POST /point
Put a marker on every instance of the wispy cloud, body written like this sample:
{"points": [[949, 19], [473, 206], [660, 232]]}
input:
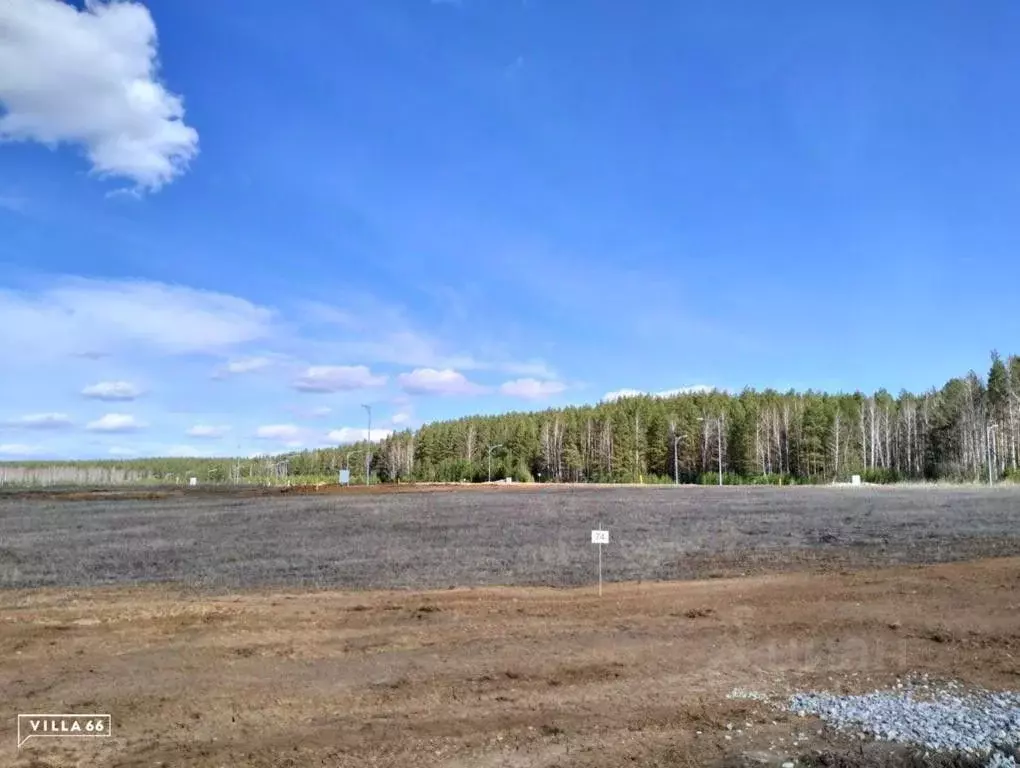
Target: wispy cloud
{"points": [[641, 308], [532, 389], [621, 393], [133, 319], [18, 450], [39, 421], [115, 422], [207, 431], [242, 365], [347, 435], [112, 391], [429, 381], [170, 333], [337, 378], [58, 62], [76, 314], [281, 432], [371, 331]]}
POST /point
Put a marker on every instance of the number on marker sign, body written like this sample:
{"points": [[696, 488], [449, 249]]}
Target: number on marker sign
{"points": [[600, 537]]}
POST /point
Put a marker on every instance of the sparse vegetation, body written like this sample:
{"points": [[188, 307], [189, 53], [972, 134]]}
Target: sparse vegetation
{"points": [[492, 536]]}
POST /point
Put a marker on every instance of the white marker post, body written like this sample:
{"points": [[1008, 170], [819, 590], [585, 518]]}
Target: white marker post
{"points": [[600, 537]]}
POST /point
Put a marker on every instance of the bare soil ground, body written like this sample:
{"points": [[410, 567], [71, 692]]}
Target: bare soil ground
{"points": [[540, 536], [190, 620], [492, 676]]}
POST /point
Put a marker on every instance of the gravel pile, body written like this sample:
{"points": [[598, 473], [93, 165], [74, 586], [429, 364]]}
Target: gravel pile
{"points": [[936, 717]]}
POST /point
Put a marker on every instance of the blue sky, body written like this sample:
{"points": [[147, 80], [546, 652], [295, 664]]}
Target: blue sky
{"points": [[442, 208]]}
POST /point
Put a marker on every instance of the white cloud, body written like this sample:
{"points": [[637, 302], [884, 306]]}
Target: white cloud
{"points": [[695, 389], [112, 391], [378, 332], [337, 378], [89, 77], [40, 421], [132, 319], [532, 389], [692, 390], [346, 435], [76, 314], [115, 422], [282, 432], [401, 417], [320, 412], [207, 431], [399, 347], [243, 365], [530, 368], [620, 393], [17, 449], [429, 381]]}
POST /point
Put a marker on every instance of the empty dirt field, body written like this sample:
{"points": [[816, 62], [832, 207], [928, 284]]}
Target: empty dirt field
{"points": [[493, 536], [464, 629]]}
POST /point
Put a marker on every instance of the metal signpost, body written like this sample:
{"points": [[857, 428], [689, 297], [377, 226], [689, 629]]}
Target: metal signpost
{"points": [[600, 537]]}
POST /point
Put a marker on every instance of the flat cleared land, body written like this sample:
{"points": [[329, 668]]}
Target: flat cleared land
{"points": [[494, 536], [238, 673]]}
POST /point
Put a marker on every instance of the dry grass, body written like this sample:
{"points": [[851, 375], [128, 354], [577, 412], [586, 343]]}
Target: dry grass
{"points": [[493, 536]]}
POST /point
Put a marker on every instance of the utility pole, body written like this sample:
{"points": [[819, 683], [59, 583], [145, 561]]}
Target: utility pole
{"points": [[990, 436], [368, 450], [676, 463], [491, 449]]}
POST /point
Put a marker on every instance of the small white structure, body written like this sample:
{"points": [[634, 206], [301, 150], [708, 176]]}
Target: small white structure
{"points": [[600, 537], [855, 480], [192, 481]]}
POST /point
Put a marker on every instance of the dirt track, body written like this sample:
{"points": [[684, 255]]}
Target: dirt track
{"points": [[488, 677]]}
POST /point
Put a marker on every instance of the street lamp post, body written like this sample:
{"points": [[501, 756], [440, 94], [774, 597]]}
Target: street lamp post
{"points": [[491, 449], [368, 450]]}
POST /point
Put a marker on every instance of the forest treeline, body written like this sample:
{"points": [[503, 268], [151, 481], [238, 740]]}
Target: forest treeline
{"points": [[953, 433], [959, 432]]}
